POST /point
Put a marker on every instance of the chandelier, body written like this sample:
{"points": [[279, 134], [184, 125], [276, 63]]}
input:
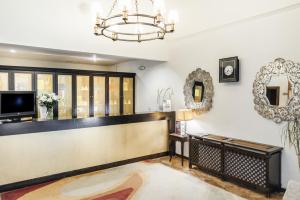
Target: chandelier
{"points": [[126, 21]]}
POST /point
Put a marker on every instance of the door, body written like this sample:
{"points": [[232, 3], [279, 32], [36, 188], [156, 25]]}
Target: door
{"points": [[83, 96], [64, 88], [99, 96], [114, 96], [44, 85], [128, 97]]}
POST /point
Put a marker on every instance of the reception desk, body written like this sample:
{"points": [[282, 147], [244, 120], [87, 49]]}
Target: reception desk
{"points": [[39, 151]]}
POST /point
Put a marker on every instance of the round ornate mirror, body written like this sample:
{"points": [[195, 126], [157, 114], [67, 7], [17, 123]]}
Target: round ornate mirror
{"points": [[276, 91], [198, 91]]}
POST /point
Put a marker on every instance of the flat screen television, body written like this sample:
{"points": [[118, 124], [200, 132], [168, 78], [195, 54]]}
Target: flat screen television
{"points": [[17, 104]]}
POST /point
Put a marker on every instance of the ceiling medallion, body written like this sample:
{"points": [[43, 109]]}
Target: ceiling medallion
{"points": [[127, 21]]}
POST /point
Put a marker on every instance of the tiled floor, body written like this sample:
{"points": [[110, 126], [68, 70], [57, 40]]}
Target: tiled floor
{"points": [[245, 193]]}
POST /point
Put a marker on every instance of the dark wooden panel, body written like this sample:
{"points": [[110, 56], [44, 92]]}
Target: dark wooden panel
{"points": [[106, 95], [121, 96], [91, 97], [57, 125]]}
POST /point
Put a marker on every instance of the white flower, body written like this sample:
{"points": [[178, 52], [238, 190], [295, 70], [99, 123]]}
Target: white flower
{"points": [[47, 100]]}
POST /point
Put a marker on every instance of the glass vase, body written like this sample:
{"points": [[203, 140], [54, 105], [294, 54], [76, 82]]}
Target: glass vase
{"points": [[49, 113]]}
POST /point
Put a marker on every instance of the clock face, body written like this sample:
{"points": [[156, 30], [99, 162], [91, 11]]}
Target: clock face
{"points": [[228, 70]]}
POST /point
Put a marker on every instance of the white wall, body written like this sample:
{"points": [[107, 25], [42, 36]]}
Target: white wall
{"points": [[256, 42]]}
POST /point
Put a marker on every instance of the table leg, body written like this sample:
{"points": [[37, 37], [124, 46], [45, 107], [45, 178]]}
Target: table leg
{"points": [[171, 150], [182, 149]]}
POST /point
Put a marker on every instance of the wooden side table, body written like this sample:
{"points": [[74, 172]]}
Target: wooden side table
{"points": [[173, 138]]}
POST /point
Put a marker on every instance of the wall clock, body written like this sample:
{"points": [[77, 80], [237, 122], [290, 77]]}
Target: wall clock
{"points": [[229, 70]]}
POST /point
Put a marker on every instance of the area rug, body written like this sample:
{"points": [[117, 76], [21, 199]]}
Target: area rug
{"points": [[138, 181]]}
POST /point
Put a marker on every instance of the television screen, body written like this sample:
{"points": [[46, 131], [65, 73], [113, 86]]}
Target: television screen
{"points": [[17, 103]]}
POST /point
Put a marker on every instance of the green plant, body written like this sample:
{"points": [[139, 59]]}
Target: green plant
{"points": [[291, 135]]}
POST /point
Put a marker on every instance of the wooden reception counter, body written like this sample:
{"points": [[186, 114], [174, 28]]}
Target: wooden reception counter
{"points": [[39, 151]]}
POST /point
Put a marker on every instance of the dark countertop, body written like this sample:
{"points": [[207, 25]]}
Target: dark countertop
{"points": [[266, 148], [36, 126]]}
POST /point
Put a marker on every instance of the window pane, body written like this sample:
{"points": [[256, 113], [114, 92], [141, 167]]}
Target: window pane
{"points": [[23, 82], [65, 95], [114, 96], [128, 96], [83, 96], [44, 85], [99, 96], [3, 81]]}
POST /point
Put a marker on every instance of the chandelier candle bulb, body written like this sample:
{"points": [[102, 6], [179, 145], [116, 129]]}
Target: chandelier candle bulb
{"points": [[103, 24], [139, 38], [125, 15], [139, 29], [97, 30], [114, 36], [173, 17], [160, 35], [158, 18], [170, 28], [98, 21]]}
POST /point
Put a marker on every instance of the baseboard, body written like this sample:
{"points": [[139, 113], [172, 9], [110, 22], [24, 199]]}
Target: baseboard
{"points": [[179, 155], [21, 184], [282, 190]]}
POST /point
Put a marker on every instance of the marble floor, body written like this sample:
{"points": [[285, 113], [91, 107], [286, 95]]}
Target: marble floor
{"points": [[230, 187]]}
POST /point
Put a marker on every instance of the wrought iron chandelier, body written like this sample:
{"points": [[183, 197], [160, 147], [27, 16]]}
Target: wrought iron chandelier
{"points": [[132, 25]]}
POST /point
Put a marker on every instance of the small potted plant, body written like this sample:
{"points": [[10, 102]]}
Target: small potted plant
{"points": [[46, 103], [291, 135]]}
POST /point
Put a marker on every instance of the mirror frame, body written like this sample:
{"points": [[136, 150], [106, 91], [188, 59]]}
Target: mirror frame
{"points": [[203, 76], [289, 112]]}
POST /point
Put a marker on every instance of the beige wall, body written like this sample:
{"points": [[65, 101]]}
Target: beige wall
{"points": [[28, 156]]}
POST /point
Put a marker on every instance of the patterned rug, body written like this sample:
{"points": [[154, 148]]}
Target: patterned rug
{"points": [[138, 181]]}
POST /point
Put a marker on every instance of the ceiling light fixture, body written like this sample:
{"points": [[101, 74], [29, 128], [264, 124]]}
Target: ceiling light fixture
{"points": [[12, 51], [94, 58], [125, 22]]}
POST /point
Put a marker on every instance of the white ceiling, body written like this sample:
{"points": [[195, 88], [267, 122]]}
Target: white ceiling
{"points": [[67, 25], [43, 54]]}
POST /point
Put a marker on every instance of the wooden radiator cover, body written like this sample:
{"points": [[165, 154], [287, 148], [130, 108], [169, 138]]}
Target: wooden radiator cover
{"points": [[253, 165]]}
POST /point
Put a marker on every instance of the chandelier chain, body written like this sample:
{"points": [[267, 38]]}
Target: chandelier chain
{"points": [[112, 8], [137, 10]]}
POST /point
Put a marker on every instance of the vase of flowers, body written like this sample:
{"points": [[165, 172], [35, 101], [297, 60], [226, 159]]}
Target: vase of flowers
{"points": [[46, 103]]}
